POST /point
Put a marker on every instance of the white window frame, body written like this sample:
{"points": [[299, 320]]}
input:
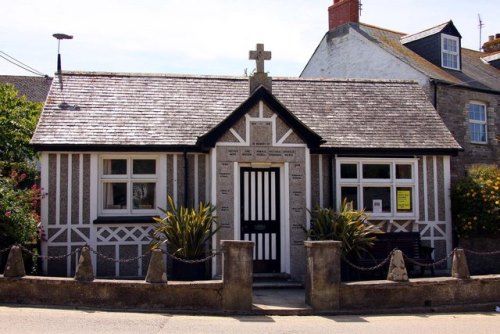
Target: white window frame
{"points": [[449, 52], [392, 183], [129, 178], [473, 121]]}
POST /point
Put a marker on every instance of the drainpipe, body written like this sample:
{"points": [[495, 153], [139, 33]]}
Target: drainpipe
{"points": [[435, 102], [185, 179]]}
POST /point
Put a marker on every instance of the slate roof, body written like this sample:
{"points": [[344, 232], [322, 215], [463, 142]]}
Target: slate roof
{"points": [[425, 33], [171, 111], [475, 74], [34, 88]]}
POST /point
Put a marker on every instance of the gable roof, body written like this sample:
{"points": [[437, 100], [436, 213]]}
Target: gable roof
{"points": [[34, 88], [167, 112], [312, 139], [475, 73]]}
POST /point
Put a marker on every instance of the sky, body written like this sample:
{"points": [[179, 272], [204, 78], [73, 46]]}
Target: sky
{"points": [[210, 37]]}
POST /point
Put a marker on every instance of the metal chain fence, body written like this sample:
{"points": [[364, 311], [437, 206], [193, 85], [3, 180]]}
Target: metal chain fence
{"points": [[214, 253], [431, 264], [109, 258], [205, 259], [46, 257], [112, 259], [482, 253], [5, 250], [411, 260], [375, 267]]}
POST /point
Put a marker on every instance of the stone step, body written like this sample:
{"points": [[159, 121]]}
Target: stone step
{"points": [[275, 281]]}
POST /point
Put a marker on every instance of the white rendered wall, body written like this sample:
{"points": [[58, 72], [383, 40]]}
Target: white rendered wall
{"points": [[353, 56]]}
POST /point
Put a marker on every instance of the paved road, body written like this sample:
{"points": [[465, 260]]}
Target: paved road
{"points": [[50, 321]]}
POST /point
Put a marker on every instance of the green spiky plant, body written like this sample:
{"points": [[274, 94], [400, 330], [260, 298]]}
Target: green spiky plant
{"points": [[187, 231], [348, 226]]}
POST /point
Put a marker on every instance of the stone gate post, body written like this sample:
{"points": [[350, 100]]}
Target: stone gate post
{"points": [[237, 274], [323, 274]]}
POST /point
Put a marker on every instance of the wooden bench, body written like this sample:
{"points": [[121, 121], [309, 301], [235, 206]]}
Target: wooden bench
{"points": [[408, 242]]}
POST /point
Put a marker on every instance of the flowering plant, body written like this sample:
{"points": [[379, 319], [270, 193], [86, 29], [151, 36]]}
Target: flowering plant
{"points": [[476, 202], [19, 207]]}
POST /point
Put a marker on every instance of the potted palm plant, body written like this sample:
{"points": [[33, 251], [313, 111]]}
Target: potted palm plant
{"points": [[187, 233], [348, 226]]}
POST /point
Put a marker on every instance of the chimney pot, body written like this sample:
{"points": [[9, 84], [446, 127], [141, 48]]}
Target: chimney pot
{"points": [[491, 37], [497, 36]]}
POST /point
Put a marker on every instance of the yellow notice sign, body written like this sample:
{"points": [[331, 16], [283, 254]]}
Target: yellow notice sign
{"points": [[404, 199]]}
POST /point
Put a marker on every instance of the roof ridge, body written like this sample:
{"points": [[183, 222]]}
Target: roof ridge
{"points": [[355, 80], [152, 75], [381, 28]]}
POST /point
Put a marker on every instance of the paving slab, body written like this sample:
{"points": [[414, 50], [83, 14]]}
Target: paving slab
{"points": [[280, 302]]}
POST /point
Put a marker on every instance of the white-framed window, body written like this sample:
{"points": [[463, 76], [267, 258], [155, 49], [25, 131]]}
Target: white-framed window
{"points": [[382, 187], [478, 123], [128, 185], [450, 52]]}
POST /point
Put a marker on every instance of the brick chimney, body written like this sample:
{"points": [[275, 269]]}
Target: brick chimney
{"points": [[343, 11], [493, 44]]}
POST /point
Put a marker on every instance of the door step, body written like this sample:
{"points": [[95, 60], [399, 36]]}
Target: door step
{"points": [[275, 281]]}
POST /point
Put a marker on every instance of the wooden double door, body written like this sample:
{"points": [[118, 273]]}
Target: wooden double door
{"points": [[260, 216]]}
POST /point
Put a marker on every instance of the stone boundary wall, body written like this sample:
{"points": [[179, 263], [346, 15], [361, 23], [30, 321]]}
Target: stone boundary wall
{"points": [[419, 293], [232, 293], [325, 292], [32, 290]]}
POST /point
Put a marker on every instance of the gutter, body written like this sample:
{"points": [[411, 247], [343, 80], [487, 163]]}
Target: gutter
{"points": [[446, 83]]}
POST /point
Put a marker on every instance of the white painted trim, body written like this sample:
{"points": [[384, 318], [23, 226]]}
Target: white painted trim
{"points": [[80, 189], [161, 187], [237, 136], [44, 203], [236, 201], [213, 199], [391, 183], [58, 189], [416, 197], [457, 53], [261, 109], [426, 192], [94, 181], [285, 214], [68, 214], [447, 205], [273, 129], [285, 137], [472, 121], [436, 190], [308, 187]]}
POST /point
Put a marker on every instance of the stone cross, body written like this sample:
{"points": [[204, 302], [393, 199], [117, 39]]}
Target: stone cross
{"points": [[259, 56]]}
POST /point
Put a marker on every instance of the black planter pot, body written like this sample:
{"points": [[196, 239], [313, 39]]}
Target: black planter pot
{"points": [[184, 271]]}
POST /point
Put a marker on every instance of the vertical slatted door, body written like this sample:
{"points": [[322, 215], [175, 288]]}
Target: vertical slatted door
{"points": [[260, 216]]}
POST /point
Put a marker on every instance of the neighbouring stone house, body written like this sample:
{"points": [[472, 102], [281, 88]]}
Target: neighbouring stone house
{"points": [[462, 84], [34, 88], [263, 150]]}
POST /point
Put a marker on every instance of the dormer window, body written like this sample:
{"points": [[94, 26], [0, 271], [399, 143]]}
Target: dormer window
{"points": [[450, 57]]}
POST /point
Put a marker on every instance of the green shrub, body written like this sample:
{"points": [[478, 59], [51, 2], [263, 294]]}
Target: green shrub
{"points": [[187, 231], [348, 226], [476, 202]]}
